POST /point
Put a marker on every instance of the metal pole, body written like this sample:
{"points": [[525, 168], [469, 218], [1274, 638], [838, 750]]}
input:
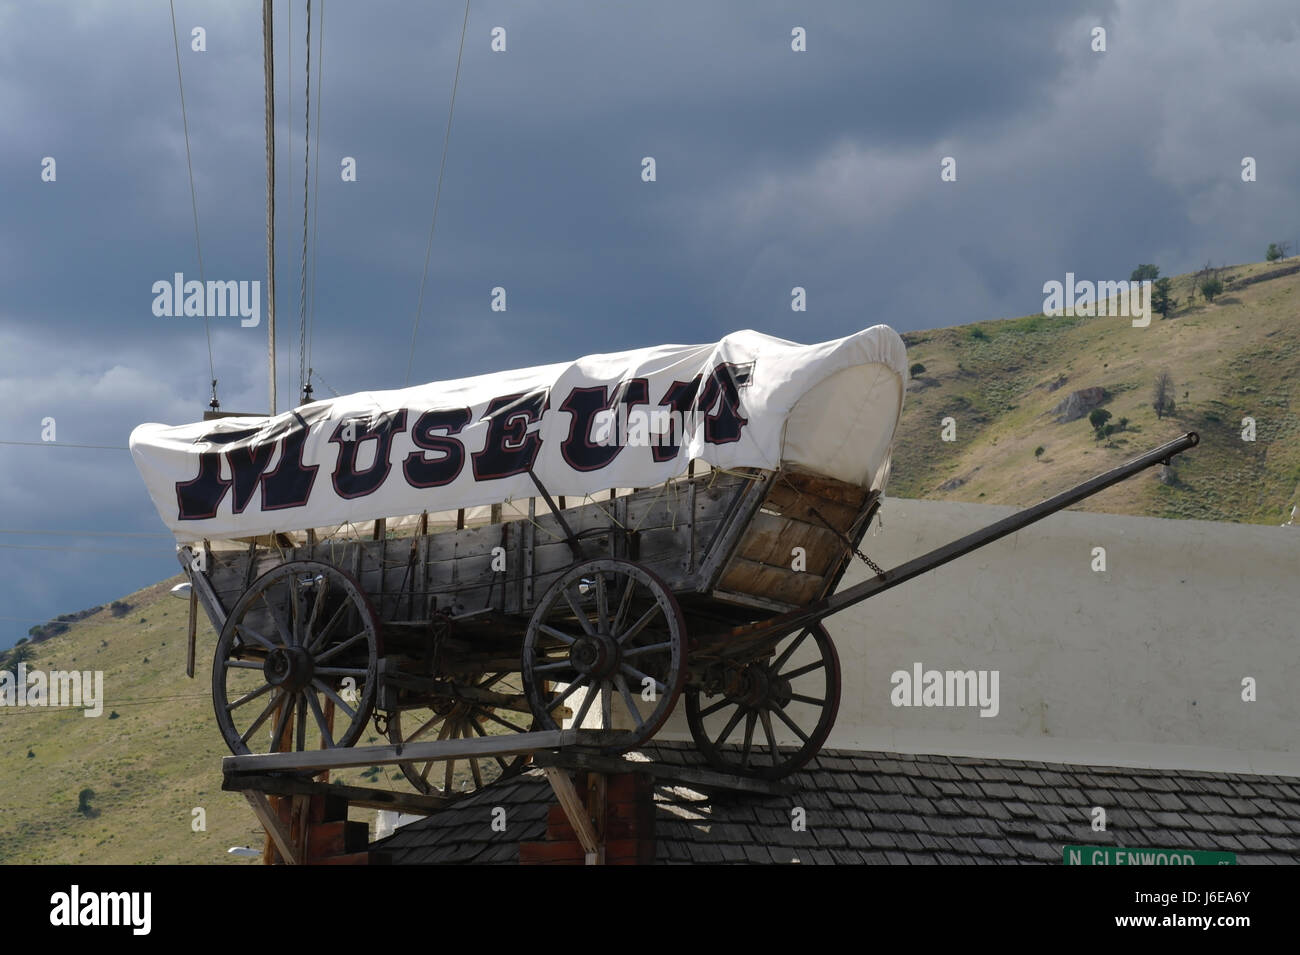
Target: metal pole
{"points": [[268, 56], [795, 620]]}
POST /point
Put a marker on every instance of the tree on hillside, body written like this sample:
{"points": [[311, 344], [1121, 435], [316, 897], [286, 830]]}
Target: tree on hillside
{"points": [[1144, 273], [1162, 399], [1098, 419], [1211, 288], [1161, 299], [1274, 253]]}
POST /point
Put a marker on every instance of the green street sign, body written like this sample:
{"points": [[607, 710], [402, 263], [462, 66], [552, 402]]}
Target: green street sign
{"points": [[1113, 855]]}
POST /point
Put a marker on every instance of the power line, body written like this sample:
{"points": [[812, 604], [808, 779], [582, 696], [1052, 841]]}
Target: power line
{"points": [[194, 201], [45, 533], [446, 139], [64, 444], [83, 550]]}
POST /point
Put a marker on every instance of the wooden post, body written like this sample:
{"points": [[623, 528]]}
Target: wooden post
{"points": [[576, 813], [193, 631]]}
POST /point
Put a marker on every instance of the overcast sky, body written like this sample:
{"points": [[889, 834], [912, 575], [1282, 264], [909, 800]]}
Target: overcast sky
{"points": [[774, 169]]}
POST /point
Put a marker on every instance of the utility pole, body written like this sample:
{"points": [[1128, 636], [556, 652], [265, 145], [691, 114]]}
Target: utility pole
{"points": [[268, 54]]}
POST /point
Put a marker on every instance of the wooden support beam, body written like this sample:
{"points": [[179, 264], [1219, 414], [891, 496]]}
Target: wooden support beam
{"points": [[192, 632], [577, 814], [366, 798], [267, 817], [317, 760], [199, 581], [696, 777]]}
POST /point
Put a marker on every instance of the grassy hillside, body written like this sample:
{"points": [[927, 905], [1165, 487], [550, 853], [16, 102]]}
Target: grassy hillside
{"points": [[149, 767], [1000, 380]]}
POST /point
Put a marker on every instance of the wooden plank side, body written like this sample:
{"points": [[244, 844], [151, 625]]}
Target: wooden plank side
{"points": [[800, 506], [775, 583], [828, 489], [771, 540]]}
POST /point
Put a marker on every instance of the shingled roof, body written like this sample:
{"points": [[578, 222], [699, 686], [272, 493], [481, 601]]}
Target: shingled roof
{"points": [[888, 808]]}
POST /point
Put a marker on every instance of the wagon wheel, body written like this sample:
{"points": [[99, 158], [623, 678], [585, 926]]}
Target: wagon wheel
{"points": [[612, 630], [454, 717], [296, 663], [795, 688]]}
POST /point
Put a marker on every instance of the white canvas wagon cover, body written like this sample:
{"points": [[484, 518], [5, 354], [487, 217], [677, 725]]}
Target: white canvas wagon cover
{"points": [[627, 419]]}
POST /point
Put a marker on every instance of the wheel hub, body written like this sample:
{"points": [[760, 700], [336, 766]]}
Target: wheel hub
{"points": [[595, 656], [756, 686], [289, 667]]}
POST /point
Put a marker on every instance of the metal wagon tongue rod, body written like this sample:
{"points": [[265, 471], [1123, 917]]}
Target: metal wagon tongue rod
{"points": [[795, 620]]}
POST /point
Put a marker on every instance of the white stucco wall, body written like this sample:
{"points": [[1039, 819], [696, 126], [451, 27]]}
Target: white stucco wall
{"points": [[1140, 665]]}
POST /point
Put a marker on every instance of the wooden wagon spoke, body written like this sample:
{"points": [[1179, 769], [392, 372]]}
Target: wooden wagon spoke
{"points": [[766, 720], [710, 710], [505, 768], [807, 668], [244, 629], [322, 588], [275, 701], [488, 714], [476, 772], [451, 767], [338, 700], [788, 652], [811, 700], [246, 664], [628, 699], [641, 623], [278, 619], [641, 677], [282, 722], [342, 671], [442, 735], [606, 705], [646, 649], [580, 614], [438, 720], [295, 611], [323, 724], [566, 663], [624, 604], [564, 695], [592, 693], [602, 604], [328, 631], [560, 635], [340, 647], [254, 694], [750, 719], [731, 725], [302, 721], [785, 718]]}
